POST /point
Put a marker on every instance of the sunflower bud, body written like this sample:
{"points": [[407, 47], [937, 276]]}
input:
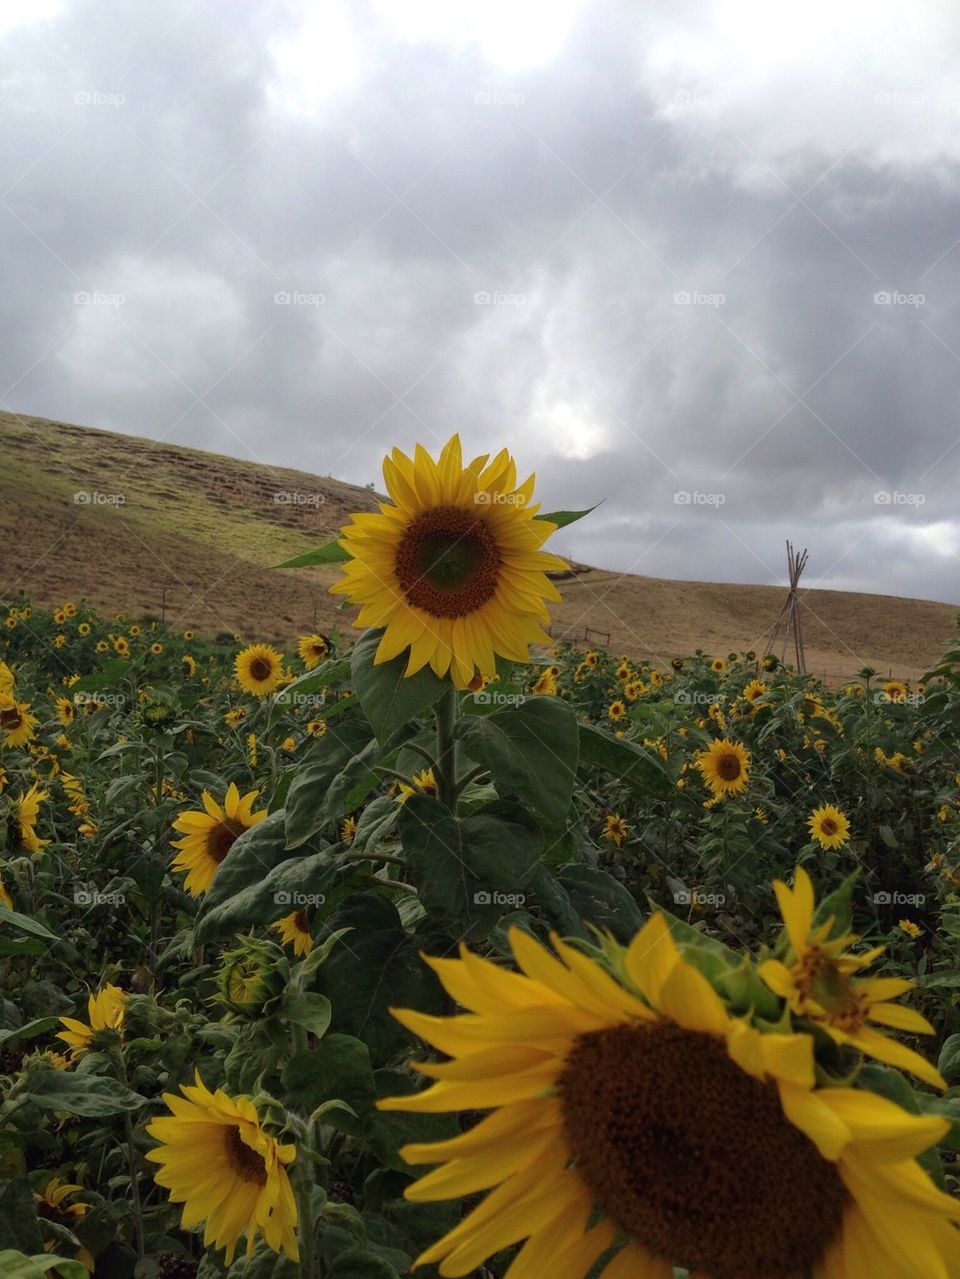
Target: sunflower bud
{"points": [[251, 977]]}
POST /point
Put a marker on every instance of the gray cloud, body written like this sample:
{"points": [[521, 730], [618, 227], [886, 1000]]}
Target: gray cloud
{"points": [[648, 261]]}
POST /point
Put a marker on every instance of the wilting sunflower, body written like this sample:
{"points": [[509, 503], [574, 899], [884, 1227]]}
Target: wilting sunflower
{"points": [[313, 649], [650, 1120], [259, 669], [208, 836], [818, 979], [217, 1160], [725, 766], [829, 827], [453, 569], [615, 829], [51, 1206], [26, 813], [294, 931], [105, 1010], [16, 723]]}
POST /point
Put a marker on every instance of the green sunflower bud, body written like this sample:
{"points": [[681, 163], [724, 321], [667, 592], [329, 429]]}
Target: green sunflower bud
{"points": [[251, 977]]}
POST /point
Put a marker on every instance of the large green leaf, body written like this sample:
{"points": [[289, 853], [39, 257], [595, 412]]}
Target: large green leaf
{"points": [[18, 1217], [563, 518], [26, 924], [329, 553], [338, 1069], [253, 855], [390, 699], [16, 1265], [288, 886], [601, 900], [79, 1094], [338, 761], [470, 871], [629, 762], [531, 751]]}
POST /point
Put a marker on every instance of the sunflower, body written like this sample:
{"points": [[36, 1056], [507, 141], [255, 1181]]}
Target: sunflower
{"points": [[105, 1010], [616, 710], [754, 690], [6, 681], [829, 827], [51, 1207], [134, 630], [624, 671], [5, 898], [59, 640], [83, 628], [26, 813], [10, 623], [217, 1160], [121, 645], [894, 691], [818, 978], [66, 711], [101, 646], [591, 658], [288, 744], [725, 766], [259, 669], [294, 931], [453, 569], [156, 649], [348, 829], [188, 635], [718, 665], [16, 723], [424, 783], [189, 665], [316, 727], [649, 1120], [208, 836], [633, 689], [70, 609], [546, 685], [313, 649], [615, 829], [910, 928], [235, 716], [59, 616]]}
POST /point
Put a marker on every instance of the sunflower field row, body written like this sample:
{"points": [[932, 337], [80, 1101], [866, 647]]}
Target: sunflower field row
{"points": [[280, 931]]}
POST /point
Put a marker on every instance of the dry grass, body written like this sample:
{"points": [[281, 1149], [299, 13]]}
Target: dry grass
{"points": [[200, 532]]}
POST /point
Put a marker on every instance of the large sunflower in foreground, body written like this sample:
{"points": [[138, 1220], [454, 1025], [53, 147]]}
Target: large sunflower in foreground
{"points": [[106, 1011], [452, 568], [258, 669], [725, 766], [218, 1161], [656, 1124], [209, 835], [819, 979]]}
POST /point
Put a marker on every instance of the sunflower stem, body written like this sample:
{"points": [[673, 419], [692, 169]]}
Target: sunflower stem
{"points": [[132, 1161], [303, 1181], [446, 774]]}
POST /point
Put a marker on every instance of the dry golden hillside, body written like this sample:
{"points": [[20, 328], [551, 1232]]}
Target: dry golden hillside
{"points": [[196, 534]]}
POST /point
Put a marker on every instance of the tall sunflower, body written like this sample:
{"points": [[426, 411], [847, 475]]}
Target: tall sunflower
{"points": [[218, 1161], [818, 978], [208, 836], [650, 1121], [106, 1012], [258, 669], [452, 569], [313, 649], [725, 766]]}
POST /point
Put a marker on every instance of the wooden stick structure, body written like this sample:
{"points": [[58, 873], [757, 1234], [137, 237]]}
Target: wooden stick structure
{"points": [[789, 622]]}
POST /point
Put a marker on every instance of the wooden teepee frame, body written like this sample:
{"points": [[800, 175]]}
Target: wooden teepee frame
{"points": [[789, 620]]}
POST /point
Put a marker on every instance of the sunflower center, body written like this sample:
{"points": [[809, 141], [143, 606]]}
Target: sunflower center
{"points": [[222, 838], [448, 563], [300, 921], [246, 1163], [11, 719], [828, 826], [728, 767], [260, 669], [693, 1157]]}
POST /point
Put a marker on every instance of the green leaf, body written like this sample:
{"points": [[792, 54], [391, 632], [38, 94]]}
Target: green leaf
{"points": [[26, 924], [469, 871], [30, 1030], [839, 905], [531, 751], [389, 699], [624, 759], [949, 1061], [15, 1265], [329, 553], [563, 518], [329, 672], [345, 748], [291, 883], [356, 1263], [601, 900], [90, 1095], [18, 1217], [304, 1008], [338, 1069], [109, 676]]}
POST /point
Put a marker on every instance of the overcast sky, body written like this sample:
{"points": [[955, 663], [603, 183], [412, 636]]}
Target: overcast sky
{"points": [[661, 251]]}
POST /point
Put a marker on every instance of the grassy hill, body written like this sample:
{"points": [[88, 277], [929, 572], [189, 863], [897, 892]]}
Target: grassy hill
{"points": [[195, 534]]}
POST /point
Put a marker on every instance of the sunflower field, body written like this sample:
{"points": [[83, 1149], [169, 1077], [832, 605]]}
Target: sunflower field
{"points": [[439, 945]]}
